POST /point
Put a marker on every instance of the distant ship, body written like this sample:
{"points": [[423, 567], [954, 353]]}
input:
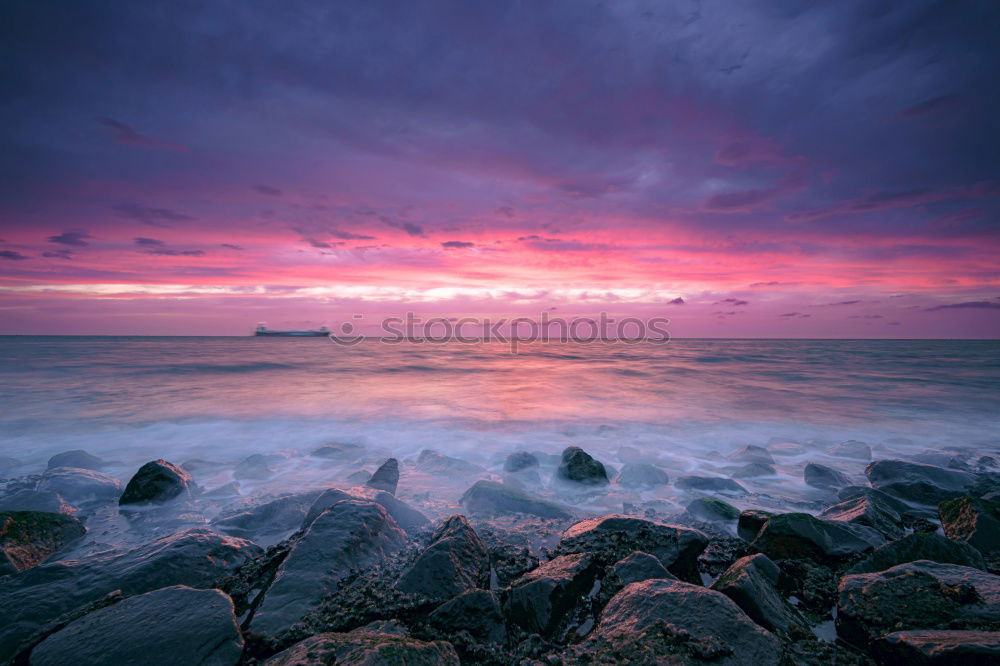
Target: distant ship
{"points": [[262, 331]]}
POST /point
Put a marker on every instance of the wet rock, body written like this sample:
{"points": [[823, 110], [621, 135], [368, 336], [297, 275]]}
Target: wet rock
{"points": [[171, 625], [752, 583], [520, 460], [916, 595], [436, 463], [720, 554], [359, 648], [156, 482], [851, 492], [975, 521], [692, 624], [823, 477], [753, 471], [253, 468], [852, 448], [231, 489], [637, 567], [940, 647], [752, 454], [869, 511], [610, 538], [349, 535], [80, 486], [913, 547], [409, 519], [28, 537], [710, 484], [199, 464], [77, 458], [320, 502], [454, 562], [750, 523], [641, 475], [489, 498], [710, 509], [540, 600], [386, 477], [340, 450], [476, 612], [787, 449], [916, 482], [36, 500], [270, 522], [577, 465], [195, 557], [359, 476], [800, 535]]}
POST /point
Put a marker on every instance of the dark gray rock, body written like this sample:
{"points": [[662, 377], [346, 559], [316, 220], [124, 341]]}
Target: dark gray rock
{"points": [[349, 535], [359, 476], [821, 476], [610, 538], [639, 566], [386, 477], [227, 491], [320, 502], [345, 451], [156, 482], [752, 454], [695, 625], [173, 625], [915, 482], [711, 484], [489, 498], [77, 458], [80, 486], [710, 509], [852, 448], [268, 523], [540, 600], [361, 648], [894, 503], [802, 536], [36, 500], [409, 519], [476, 612], [975, 521], [869, 511], [916, 595], [454, 562], [437, 463], [750, 523], [519, 461], [752, 583], [641, 475], [28, 537], [753, 471], [195, 557], [917, 546], [578, 466], [941, 647], [253, 468]]}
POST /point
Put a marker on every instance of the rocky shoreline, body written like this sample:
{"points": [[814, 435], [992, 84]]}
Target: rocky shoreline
{"points": [[905, 569]]}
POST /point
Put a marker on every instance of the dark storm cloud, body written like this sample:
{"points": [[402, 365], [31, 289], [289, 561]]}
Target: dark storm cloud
{"points": [[148, 242], [12, 255], [167, 252], [156, 217], [732, 301], [58, 254], [677, 301], [966, 305], [231, 246], [75, 238], [457, 244], [408, 227]]}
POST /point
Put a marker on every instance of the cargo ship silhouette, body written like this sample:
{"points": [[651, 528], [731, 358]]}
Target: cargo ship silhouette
{"points": [[264, 331]]}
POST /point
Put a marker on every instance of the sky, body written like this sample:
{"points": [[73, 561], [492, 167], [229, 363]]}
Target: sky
{"points": [[746, 169]]}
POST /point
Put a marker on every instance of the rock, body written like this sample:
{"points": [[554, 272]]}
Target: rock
{"points": [[578, 466], [77, 458], [801, 536], [630, 454], [359, 648], [200, 464], [976, 521], [519, 461], [349, 535], [386, 477], [940, 647], [752, 454], [710, 484], [157, 482], [610, 538], [639, 566], [195, 557], [36, 500], [916, 595], [540, 600], [823, 477], [925, 484], [754, 470], [80, 486], [786, 449], [359, 476], [320, 502], [750, 523], [454, 562], [641, 475], [476, 612], [270, 522], [869, 511], [752, 583], [852, 448], [340, 450], [8, 465], [851, 492], [409, 519], [711, 509], [177, 625], [231, 489], [253, 468], [694, 624], [913, 547], [436, 463], [28, 537], [489, 498]]}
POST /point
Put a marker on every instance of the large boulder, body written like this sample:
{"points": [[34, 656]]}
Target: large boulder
{"points": [[195, 557], [868, 511], [410, 520], [800, 535], [489, 498], [578, 466], [823, 477], [386, 477], [975, 521], [641, 475], [540, 600], [520, 461], [710, 484], [156, 482], [28, 537], [637, 567], [711, 509], [938, 647], [77, 458], [915, 482], [612, 537], [270, 522], [172, 625], [80, 486], [920, 546], [476, 612], [916, 595], [351, 534], [45, 501], [671, 622], [345, 451], [752, 583], [750, 523], [752, 454], [454, 562], [362, 648], [433, 462]]}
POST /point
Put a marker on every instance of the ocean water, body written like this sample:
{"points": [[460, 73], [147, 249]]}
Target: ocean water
{"points": [[686, 404]]}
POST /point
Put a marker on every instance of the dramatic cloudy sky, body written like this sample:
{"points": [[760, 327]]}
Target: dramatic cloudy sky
{"points": [[746, 168]]}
